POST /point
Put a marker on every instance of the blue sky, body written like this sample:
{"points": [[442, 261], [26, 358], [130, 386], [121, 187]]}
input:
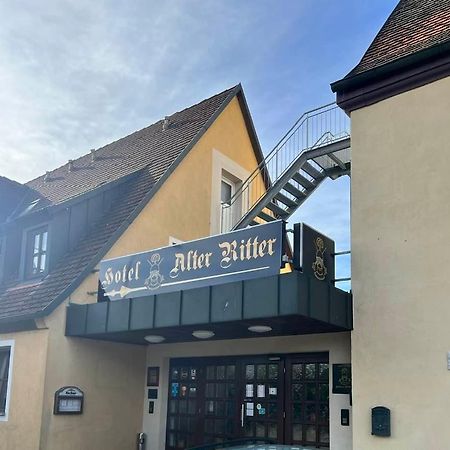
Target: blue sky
{"points": [[77, 74]]}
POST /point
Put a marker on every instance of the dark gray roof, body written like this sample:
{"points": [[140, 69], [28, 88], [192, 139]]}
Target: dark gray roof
{"points": [[148, 157], [11, 194]]}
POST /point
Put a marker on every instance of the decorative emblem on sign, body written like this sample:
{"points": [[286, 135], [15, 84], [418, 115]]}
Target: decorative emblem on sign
{"points": [[238, 255], [154, 279], [345, 378], [318, 266]]}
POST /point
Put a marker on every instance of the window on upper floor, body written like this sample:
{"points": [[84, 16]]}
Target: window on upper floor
{"points": [[36, 252], [5, 363], [227, 190]]}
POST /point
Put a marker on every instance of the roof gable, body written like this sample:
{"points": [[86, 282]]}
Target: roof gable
{"points": [[413, 26], [155, 147], [24, 302], [411, 49]]}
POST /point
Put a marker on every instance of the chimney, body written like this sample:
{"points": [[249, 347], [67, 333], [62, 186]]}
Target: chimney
{"points": [[93, 155], [166, 123], [70, 166], [47, 176]]}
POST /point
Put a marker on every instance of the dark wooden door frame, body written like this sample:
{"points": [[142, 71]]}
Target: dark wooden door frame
{"points": [[285, 361]]}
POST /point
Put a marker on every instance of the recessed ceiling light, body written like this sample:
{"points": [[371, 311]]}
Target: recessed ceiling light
{"points": [[154, 339], [203, 334], [260, 328]]}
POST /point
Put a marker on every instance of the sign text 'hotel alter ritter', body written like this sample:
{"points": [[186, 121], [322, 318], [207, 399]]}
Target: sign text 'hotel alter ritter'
{"points": [[242, 254]]}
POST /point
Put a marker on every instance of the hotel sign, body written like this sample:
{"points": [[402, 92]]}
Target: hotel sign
{"points": [[242, 254]]}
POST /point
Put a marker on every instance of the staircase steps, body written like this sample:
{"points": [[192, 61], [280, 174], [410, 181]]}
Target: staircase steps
{"points": [[311, 171], [315, 148], [285, 200], [289, 187], [277, 210], [300, 179], [266, 216]]}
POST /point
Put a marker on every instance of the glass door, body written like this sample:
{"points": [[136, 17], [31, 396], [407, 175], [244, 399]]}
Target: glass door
{"points": [[307, 400], [220, 402], [283, 399], [183, 425], [262, 398]]}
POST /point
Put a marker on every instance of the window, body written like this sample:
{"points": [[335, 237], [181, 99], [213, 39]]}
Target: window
{"points": [[36, 252], [227, 190], [5, 362]]}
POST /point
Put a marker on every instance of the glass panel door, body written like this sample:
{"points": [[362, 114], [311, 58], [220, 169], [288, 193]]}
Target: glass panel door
{"points": [[184, 405], [283, 399], [220, 407], [307, 400], [262, 399]]}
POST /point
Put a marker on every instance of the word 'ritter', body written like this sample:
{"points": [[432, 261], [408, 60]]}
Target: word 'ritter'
{"points": [[231, 252]]}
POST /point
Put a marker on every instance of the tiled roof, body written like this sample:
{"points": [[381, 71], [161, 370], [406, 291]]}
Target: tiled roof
{"points": [[145, 155], [20, 300], [151, 146], [413, 26]]}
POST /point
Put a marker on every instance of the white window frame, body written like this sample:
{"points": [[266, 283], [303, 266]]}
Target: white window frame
{"points": [[10, 344], [224, 168]]}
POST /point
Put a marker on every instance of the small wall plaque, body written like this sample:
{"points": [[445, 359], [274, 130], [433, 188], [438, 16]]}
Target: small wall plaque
{"points": [[68, 400], [151, 407], [153, 376], [342, 378]]}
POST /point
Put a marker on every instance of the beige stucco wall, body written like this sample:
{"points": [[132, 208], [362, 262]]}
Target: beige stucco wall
{"points": [[22, 428], [113, 375], [183, 206], [337, 344], [400, 267], [109, 374]]}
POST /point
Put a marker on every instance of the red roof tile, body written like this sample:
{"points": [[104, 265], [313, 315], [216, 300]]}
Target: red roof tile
{"points": [[413, 26]]}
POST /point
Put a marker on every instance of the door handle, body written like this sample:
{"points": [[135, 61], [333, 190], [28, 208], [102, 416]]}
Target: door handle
{"points": [[242, 415]]}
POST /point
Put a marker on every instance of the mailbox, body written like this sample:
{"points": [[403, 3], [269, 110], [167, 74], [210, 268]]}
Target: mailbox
{"points": [[381, 421], [68, 400]]}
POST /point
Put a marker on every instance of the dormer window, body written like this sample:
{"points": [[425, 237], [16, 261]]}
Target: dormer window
{"points": [[36, 252]]}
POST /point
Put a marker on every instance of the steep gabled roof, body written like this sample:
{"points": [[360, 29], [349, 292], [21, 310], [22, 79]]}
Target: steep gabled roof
{"points": [[148, 156], [411, 49], [414, 25], [152, 147]]}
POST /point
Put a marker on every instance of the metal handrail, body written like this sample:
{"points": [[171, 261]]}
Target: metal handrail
{"points": [[320, 126]]}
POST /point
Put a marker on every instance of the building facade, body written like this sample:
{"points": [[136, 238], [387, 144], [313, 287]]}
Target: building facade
{"points": [[398, 98], [164, 185], [98, 342]]}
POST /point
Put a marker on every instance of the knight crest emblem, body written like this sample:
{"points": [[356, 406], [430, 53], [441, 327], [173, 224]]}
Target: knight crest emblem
{"points": [[154, 279], [318, 266]]}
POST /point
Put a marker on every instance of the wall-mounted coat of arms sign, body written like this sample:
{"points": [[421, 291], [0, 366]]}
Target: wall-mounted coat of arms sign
{"points": [[313, 253]]}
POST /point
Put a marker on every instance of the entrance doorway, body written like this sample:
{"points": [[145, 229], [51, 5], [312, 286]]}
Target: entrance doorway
{"points": [[283, 398]]}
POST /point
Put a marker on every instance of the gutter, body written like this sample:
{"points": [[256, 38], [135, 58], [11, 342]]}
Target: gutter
{"points": [[356, 81]]}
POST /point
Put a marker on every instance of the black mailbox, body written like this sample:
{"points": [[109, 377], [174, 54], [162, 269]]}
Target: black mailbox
{"points": [[381, 421]]}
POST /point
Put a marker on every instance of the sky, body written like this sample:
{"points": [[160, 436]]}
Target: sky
{"points": [[78, 74]]}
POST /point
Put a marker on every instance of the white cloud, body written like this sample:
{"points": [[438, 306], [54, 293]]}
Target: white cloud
{"points": [[77, 74]]}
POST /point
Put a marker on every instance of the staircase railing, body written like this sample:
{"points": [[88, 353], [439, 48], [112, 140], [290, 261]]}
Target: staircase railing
{"points": [[315, 128]]}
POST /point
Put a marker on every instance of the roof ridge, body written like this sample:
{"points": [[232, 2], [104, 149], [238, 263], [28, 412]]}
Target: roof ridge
{"points": [[135, 132]]}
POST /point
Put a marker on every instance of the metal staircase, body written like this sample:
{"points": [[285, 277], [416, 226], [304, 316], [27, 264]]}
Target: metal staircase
{"points": [[315, 148]]}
